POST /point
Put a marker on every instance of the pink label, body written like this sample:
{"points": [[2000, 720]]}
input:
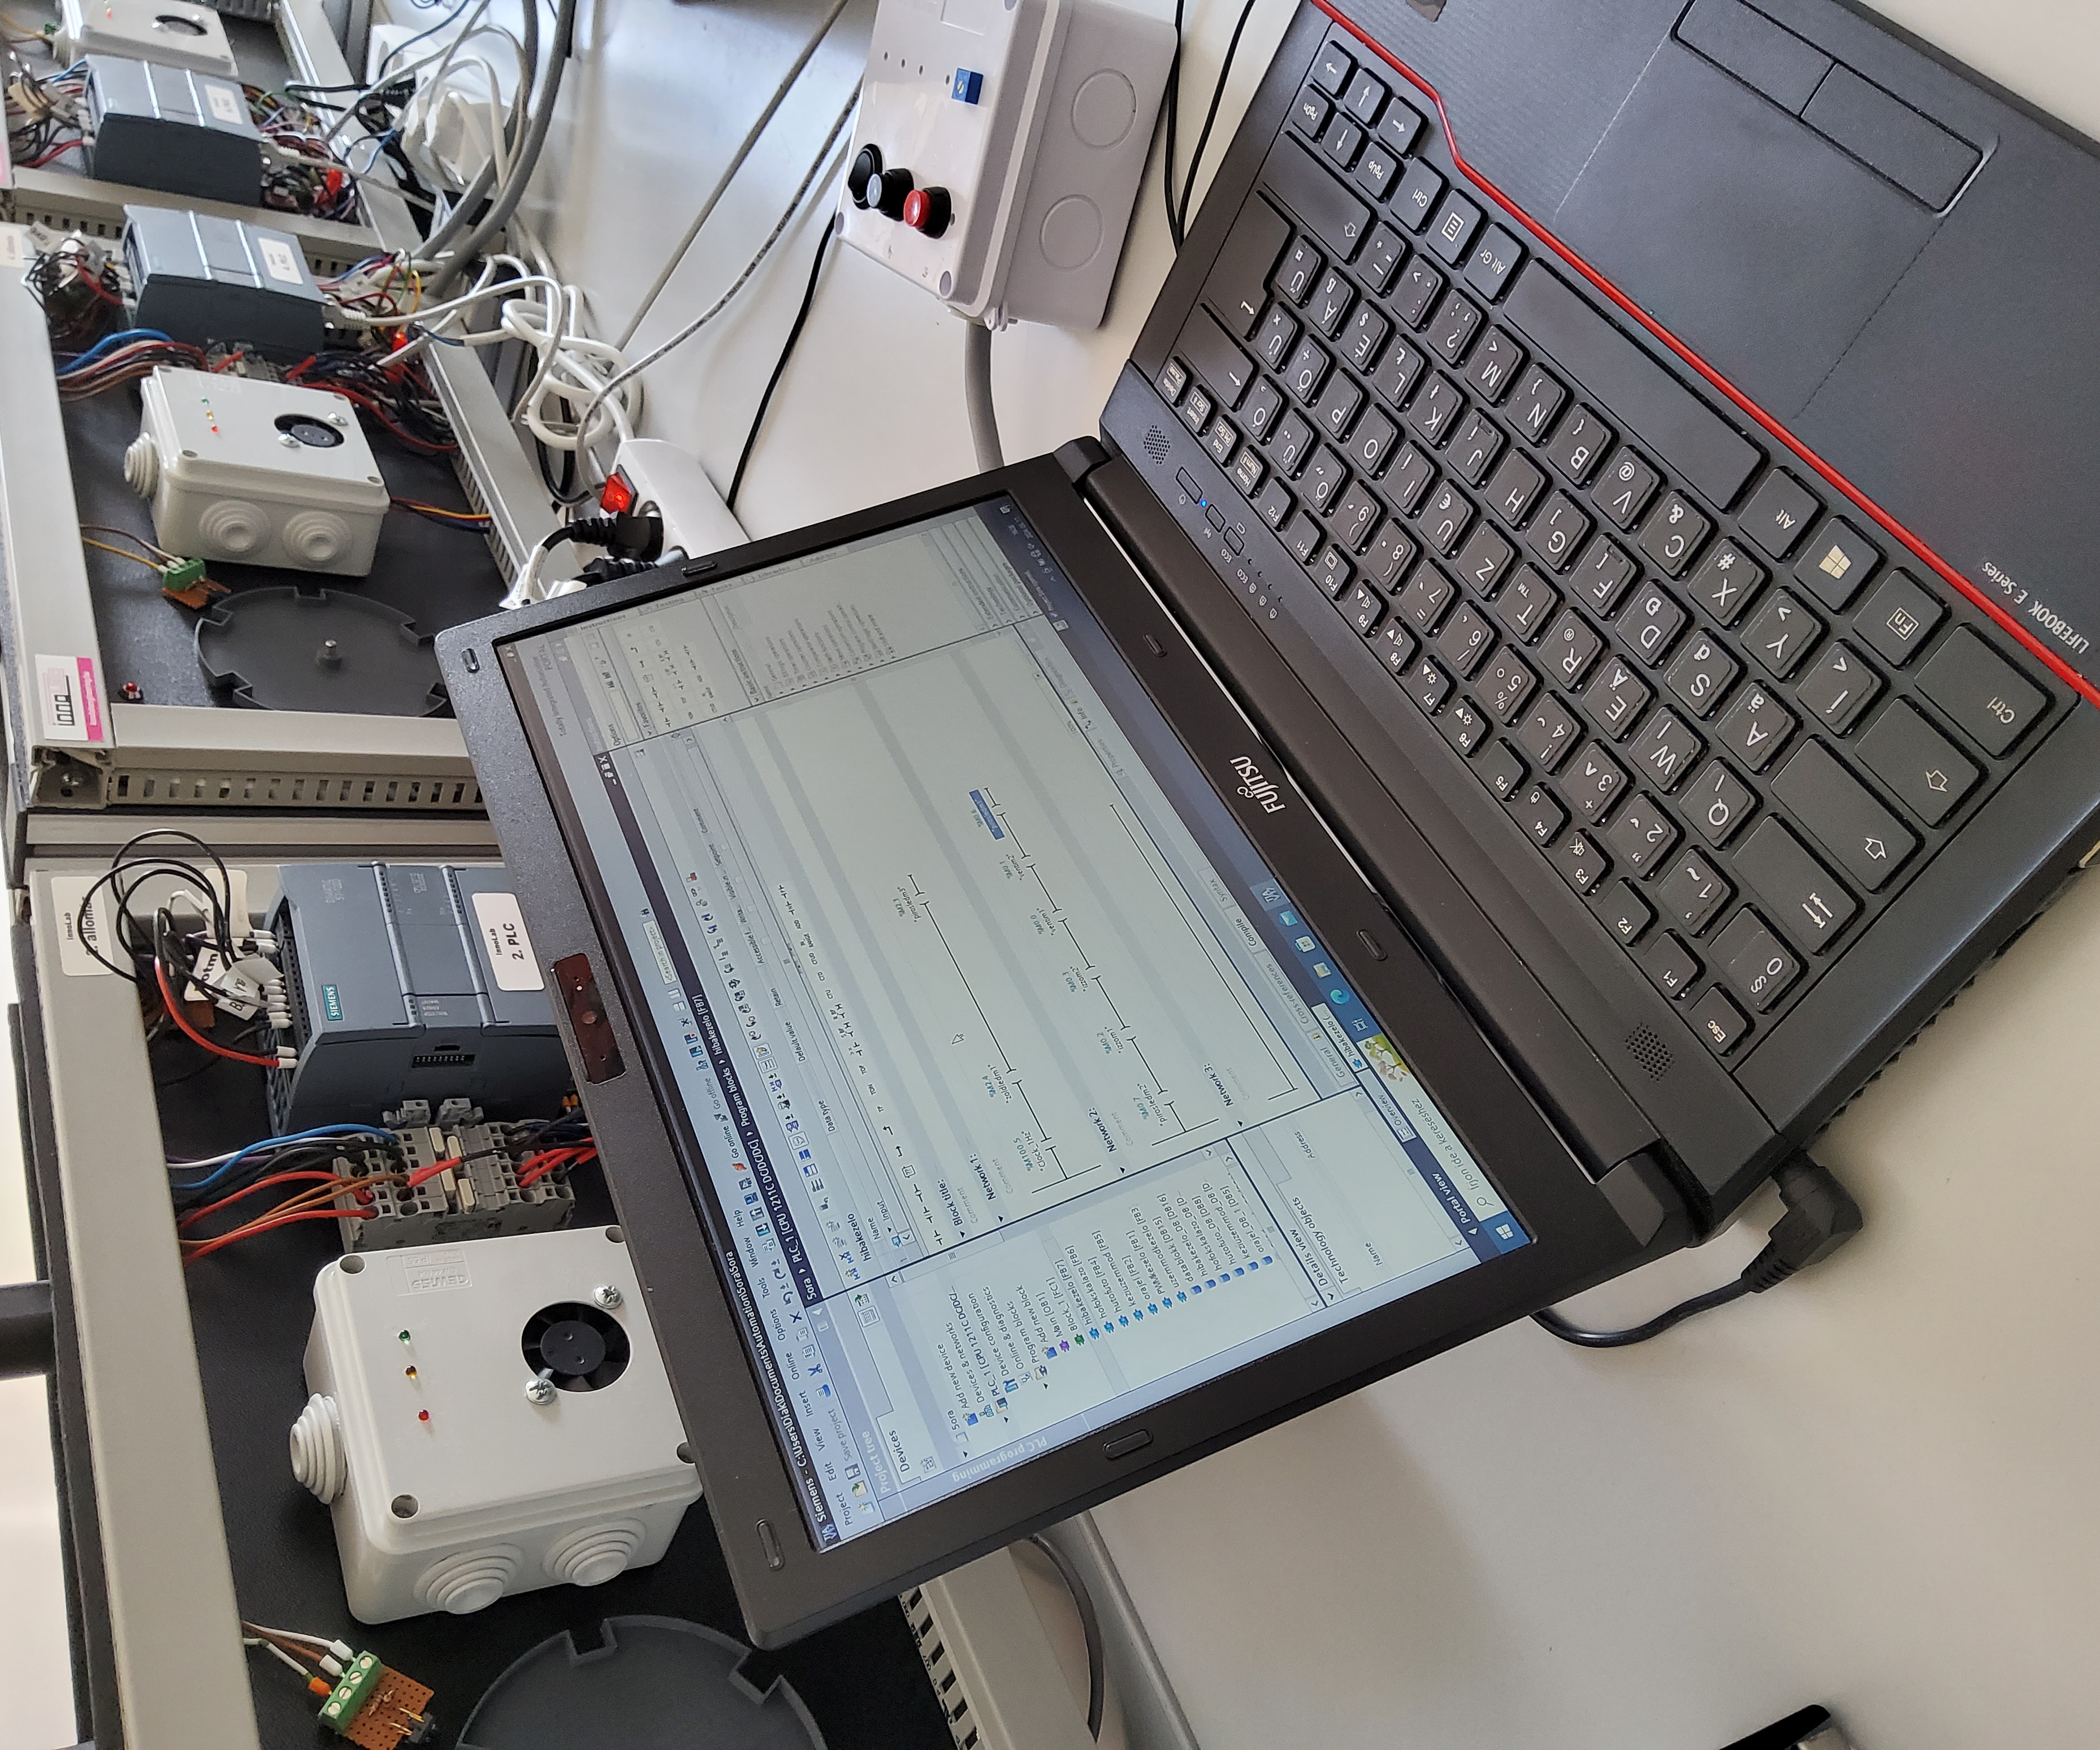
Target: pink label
{"points": [[90, 699]]}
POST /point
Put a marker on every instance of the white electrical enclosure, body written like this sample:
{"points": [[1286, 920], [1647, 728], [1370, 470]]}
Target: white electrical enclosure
{"points": [[169, 32], [237, 467], [1024, 125], [458, 1470]]}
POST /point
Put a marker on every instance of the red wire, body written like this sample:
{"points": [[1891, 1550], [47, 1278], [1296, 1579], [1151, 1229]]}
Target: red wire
{"points": [[54, 154], [305, 1173], [537, 1166], [175, 1015], [205, 1247], [431, 1171]]}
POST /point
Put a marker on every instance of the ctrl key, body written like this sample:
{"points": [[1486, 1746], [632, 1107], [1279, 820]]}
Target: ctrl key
{"points": [[1719, 1022]]}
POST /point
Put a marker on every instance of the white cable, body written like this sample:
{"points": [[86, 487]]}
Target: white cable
{"points": [[277, 1652], [291, 1635], [977, 397]]}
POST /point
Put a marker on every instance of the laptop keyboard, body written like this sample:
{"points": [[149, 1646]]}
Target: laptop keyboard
{"points": [[1725, 716]]}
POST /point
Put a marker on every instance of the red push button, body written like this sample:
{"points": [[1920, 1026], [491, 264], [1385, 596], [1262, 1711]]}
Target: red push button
{"points": [[928, 210]]}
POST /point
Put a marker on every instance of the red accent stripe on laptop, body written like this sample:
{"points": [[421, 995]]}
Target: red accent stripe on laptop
{"points": [[1924, 554]]}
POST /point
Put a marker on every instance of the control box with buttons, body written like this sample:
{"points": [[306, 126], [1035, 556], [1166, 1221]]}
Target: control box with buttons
{"points": [[1000, 144]]}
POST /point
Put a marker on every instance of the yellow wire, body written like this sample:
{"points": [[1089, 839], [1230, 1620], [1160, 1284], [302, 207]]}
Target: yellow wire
{"points": [[160, 552], [135, 558]]}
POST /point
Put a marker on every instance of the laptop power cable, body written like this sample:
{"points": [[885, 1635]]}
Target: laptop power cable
{"points": [[1821, 1216]]}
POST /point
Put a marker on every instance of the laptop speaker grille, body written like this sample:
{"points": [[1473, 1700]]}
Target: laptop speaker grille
{"points": [[1157, 445], [1646, 1047]]}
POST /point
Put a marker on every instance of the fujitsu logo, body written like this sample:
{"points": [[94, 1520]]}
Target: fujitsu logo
{"points": [[1256, 788]]}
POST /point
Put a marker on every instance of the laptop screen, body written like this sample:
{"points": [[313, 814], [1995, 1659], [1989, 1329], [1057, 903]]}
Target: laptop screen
{"points": [[1027, 1097]]}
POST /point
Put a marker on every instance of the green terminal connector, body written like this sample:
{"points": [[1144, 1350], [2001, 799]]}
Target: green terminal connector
{"points": [[351, 1692], [180, 575]]}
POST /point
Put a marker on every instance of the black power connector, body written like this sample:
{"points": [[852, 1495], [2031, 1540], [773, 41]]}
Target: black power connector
{"points": [[1821, 1216]]}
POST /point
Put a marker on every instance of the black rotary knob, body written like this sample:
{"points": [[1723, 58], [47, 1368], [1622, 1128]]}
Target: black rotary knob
{"points": [[867, 164], [886, 193]]}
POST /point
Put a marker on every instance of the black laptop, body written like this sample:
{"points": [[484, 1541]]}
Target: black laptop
{"points": [[1574, 641]]}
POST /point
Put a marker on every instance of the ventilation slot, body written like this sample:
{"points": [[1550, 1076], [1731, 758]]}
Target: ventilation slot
{"points": [[940, 1670], [441, 1060], [1645, 1046], [1157, 445]]}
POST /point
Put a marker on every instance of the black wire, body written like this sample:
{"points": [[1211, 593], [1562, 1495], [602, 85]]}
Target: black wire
{"points": [[1210, 120], [1640, 1333], [780, 363], [1173, 111], [1090, 1626]]}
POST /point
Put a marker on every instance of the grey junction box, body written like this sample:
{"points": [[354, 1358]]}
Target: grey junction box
{"points": [[173, 129], [204, 279], [410, 981]]}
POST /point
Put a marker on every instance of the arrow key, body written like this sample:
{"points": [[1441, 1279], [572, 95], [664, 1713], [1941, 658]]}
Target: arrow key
{"points": [[1843, 814]]}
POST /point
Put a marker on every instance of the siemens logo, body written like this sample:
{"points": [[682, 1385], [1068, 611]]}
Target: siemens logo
{"points": [[1256, 788], [331, 1003]]}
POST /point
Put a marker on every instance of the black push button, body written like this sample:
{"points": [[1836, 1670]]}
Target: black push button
{"points": [[1804, 897], [1778, 512], [1981, 691], [1918, 156], [1718, 1021], [1756, 962], [1334, 215], [1899, 617], [1768, 59], [1844, 815], [1672, 965], [1837, 563], [1918, 763], [1332, 68], [1124, 1444]]}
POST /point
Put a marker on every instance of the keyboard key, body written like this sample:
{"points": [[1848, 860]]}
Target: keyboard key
{"points": [[1642, 836], [1718, 1021], [1395, 647], [1701, 674], [1527, 605], [1837, 563], [1301, 535], [1506, 684], [1342, 141], [1719, 803], [1756, 962], [1671, 964], [1495, 257], [1428, 593], [1292, 445], [1264, 401], [1838, 687], [1278, 335], [1624, 489], [1307, 370], [1365, 334], [1807, 901], [1498, 767], [1415, 201], [1899, 617], [1777, 513], [1483, 560], [1444, 519], [1571, 645], [1427, 685], [1172, 380], [1332, 68], [1691, 890], [1302, 267], [1364, 98], [1355, 518], [1782, 633], [1664, 750], [1398, 373], [1674, 533], [1332, 572], [1989, 701], [1391, 554], [1539, 813], [1337, 218], [1451, 235], [1537, 400], [1377, 171], [1197, 410], [1221, 440], [1615, 697], [1420, 285], [1371, 446], [1273, 504], [1918, 763], [1323, 479], [1549, 729], [1382, 256], [1365, 608], [1340, 402], [1727, 582], [1309, 114], [1398, 127], [1331, 299], [1843, 816], [1603, 577], [1514, 487], [1457, 320], [1412, 476], [1755, 728], [1435, 411], [1592, 781], [1238, 288], [1625, 913], [1582, 865], [1495, 365], [1465, 640], [1558, 535], [1577, 445], [1650, 624], [1461, 723], [1217, 358]]}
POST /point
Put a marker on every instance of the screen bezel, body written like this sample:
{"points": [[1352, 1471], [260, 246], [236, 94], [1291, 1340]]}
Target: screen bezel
{"points": [[786, 1585]]}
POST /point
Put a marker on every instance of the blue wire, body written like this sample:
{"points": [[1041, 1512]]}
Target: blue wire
{"points": [[123, 337], [219, 1173]]}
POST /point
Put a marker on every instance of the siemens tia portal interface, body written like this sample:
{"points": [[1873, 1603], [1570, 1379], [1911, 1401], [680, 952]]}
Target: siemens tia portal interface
{"points": [[1028, 1098]]}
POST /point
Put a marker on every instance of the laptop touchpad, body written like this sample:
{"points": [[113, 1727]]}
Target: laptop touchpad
{"points": [[1757, 242]]}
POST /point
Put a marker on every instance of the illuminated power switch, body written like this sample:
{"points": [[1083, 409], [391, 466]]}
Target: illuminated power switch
{"points": [[969, 86]]}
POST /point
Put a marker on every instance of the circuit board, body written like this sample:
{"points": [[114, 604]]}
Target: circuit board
{"points": [[392, 1711]]}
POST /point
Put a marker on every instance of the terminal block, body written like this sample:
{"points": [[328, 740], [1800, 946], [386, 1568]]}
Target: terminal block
{"points": [[476, 1197]]}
